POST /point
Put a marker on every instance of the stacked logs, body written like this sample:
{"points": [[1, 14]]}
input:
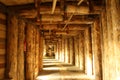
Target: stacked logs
{"points": [[2, 40], [24, 53]]}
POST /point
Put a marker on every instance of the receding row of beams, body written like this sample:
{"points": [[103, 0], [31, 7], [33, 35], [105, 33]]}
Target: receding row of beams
{"points": [[47, 9]]}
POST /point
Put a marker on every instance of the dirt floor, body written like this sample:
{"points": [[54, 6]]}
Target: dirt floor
{"points": [[55, 70]]}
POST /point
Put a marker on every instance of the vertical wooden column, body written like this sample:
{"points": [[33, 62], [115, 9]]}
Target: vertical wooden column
{"points": [[62, 50], [29, 52], [20, 59], [88, 55], [12, 44], [66, 50], [76, 51], [37, 53], [59, 47], [97, 49], [41, 51], [111, 39], [56, 54], [34, 50], [73, 57], [44, 46], [55, 50], [115, 13], [71, 50], [81, 50], [115, 4]]}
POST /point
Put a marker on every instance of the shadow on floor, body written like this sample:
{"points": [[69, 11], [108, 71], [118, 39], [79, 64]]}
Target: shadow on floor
{"points": [[55, 70]]}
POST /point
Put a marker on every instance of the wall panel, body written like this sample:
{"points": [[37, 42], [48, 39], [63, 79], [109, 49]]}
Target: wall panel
{"points": [[2, 41]]}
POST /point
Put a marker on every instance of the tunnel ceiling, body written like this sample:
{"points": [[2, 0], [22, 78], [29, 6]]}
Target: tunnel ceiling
{"points": [[57, 18]]}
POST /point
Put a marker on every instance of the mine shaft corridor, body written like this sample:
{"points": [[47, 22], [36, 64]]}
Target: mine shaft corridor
{"points": [[59, 39], [70, 58]]}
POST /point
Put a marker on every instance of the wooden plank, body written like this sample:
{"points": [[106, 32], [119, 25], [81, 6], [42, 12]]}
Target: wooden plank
{"points": [[2, 27], [2, 59], [2, 34], [20, 56], [2, 51], [2, 65], [2, 40], [12, 40], [2, 45], [2, 16], [2, 71], [29, 52], [2, 21]]}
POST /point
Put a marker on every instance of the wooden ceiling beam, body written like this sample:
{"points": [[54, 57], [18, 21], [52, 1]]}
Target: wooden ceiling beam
{"points": [[54, 6], [80, 1], [72, 15], [70, 27], [72, 22]]}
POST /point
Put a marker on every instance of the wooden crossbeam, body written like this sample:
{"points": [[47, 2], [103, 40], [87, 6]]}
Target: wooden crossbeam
{"points": [[72, 15]]}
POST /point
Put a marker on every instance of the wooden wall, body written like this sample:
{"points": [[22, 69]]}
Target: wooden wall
{"points": [[2, 40], [111, 39]]}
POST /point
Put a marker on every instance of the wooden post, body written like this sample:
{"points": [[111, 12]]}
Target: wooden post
{"points": [[66, 51], [97, 49], [59, 50], [81, 50], [12, 41], [56, 54], [29, 52], [73, 57], [111, 39], [76, 51], [62, 50], [40, 52], [88, 54], [34, 50], [20, 59], [37, 53]]}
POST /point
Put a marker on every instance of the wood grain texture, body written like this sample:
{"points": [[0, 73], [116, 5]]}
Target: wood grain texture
{"points": [[29, 52], [12, 40], [2, 27], [20, 57], [2, 16], [37, 54], [2, 71], [2, 34], [2, 41], [2, 21], [2, 51]]}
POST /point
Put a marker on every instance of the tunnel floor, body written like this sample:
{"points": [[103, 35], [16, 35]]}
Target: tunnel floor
{"points": [[55, 70]]}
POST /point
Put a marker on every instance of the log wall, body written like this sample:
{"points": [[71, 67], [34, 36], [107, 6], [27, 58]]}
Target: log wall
{"points": [[2, 41], [111, 39], [12, 40], [20, 56], [41, 51]]}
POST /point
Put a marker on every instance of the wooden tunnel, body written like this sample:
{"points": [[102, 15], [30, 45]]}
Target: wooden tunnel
{"points": [[84, 33]]}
